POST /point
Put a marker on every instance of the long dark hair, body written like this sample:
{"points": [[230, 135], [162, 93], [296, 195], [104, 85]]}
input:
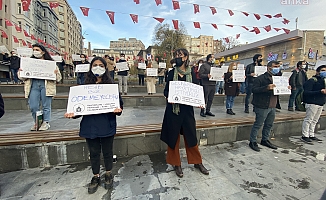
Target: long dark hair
{"points": [[46, 55], [91, 78]]}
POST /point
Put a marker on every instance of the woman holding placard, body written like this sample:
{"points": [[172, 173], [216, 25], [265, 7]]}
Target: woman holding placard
{"points": [[37, 90], [81, 75], [99, 129], [180, 119], [231, 88], [150, 79]]}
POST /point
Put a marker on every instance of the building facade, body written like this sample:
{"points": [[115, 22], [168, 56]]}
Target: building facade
{"points": [[127, 45]]}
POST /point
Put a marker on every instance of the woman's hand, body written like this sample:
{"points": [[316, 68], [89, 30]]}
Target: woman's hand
{"points": [[69, 115], [117, 110], [20, 69], [56, 71]]}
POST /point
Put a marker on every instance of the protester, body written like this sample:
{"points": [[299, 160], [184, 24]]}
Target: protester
{"points": [[2, 106], [297, 79], [61, 65], [180, 119], [209, 86], [123, 76], [111, 65], [161, 73], [81, 75], [14, 64], [264, 102], [99, 129], [231, 89], [314, 96], [195, 70], [250, 77], [141, 76], [220, 84], [151, 80], [37, 90]]}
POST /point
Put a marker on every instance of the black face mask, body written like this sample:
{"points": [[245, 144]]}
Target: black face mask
{"points": [[178, 62], [260, 60]]}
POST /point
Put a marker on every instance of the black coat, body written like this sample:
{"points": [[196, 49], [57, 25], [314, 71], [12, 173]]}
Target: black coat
{"points": [[14, 61], [249, 70], [231, 88], [298, 78], [2, 107], [173, 124], [261, 95], [312, 91]]}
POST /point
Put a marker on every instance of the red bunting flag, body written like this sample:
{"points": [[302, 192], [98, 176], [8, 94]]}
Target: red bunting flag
{"points": [[175, 24], [4, 34], [134, 18], [257, 16], [158, 2], [18, 29], [26, 34], [245, 13], [8, 23], [159, 19], [256, 30], [85, 11], [176, 5], [230, 12], [287, 31], [268, 28], [15, 39], [196, 24], [268, 16], [32, 37], [277, 29], [111, 16], [39, 40], [285, 21], [24, 43], [247, 29], [229, 25], [215, 26], [54, 5], [213, 10], [0, 4], [278, 15], [196, 8], [136, 1], [227, 40], [29, 45], [26, 4], [237, 36]]}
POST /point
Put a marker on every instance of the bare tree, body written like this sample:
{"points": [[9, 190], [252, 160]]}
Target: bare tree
{"points": [[229, 45]]}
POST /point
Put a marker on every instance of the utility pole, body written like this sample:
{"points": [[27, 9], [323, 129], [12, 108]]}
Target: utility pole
{"points": [[296, 23]]}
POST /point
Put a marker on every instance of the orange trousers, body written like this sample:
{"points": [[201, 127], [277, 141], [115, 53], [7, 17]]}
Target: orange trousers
{"points": [[173, 155]]}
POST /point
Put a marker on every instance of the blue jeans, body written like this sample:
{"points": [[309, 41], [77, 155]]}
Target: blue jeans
{"points": [[81, 78], [14, 74], [243, 88], [263, 116], [160, 80], [36, 95], [248, 92], [229, 102], [293, 96], [112, 74], [219, 85]]}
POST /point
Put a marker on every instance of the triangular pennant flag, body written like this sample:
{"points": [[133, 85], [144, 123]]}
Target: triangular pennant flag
{"points": [[237, 36], [15, 39], [285, 21], [247, 29], [197, 24], [196, 8], [277, 29], [18, 29], [39, 40], [158, 2], [257, 16], [25, 4], [29, 45], [268, 28], [134, 18], [256, 30], [227, 40], [175, 24], [111, 16], [176, 5], [268, 16], [24, 43], [26, 34], [213, 9], [278, 15], [230, 12], [32, 37], [287, 31], [245, 13], [215, 26], [0, 4], [4, 34], [85, 11], [229, 25], [136, 1], [159, 19], [8, 23], [54, 5]]}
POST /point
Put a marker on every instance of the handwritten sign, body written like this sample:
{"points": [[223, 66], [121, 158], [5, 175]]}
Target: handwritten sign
{"points": [[186, 93], [93, 99], [162, 65], [24, 52], [287, 74], [151, 72], [259, 70], [240, 66], [3, 49], [238, 76], [282, 84], [75, 57], [217, 74], [122, 66], [57, 58], [225, 68], [82, 68], [141, 66], [37, 68]]}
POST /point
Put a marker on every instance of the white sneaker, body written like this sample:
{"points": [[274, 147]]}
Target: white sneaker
{"points": [[33, 128], [45, 126]]}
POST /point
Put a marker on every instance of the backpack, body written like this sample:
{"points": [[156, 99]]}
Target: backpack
{"points": [[299, 100]]}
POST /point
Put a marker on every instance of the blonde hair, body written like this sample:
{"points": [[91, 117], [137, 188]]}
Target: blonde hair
{"points": [[231, 66]]}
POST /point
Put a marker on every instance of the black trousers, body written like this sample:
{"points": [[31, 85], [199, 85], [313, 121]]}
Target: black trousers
{"points": [[209, 92], [141, 79], [95, 146]]}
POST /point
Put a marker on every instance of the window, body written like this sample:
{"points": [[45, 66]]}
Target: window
{"points": [[61, 17], [27, 28], [27, 13], [5, 12], [20, 24], [62, 43], [0, 22], [60, 9], [44, 13], [50, 28], [45, 39], [44, 26], [55, 32], [19, 8], [62, 34], [61, 26]]}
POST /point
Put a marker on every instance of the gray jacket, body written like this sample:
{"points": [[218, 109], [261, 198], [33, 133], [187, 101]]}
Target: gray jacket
{"points": [[204, 70]]}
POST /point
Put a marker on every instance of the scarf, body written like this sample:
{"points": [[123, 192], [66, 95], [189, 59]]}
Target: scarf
{"points": [[187, 73]]}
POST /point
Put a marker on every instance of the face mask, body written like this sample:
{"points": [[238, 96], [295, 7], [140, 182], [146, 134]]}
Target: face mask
{"points": [[82, 59], [98, 70], [260, 60], [14, 54], [37, 54], [322, 74], [275, 71], [179, 62], [234, 68], [122, 58], [213, 60]]}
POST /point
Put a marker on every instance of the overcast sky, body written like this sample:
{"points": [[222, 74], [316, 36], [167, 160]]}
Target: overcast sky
{"points": [[99, 30]]}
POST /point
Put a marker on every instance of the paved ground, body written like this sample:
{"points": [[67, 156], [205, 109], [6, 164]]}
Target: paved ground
{"points": [[294, 171]]}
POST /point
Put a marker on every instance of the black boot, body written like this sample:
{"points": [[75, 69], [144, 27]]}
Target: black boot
{"points": [[232, 112], [246, 110], [228, 111], [93, 185], [202, 113]]}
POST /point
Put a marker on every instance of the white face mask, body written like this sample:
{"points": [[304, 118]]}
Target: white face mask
{"points": [[14, 54], [82, 59], [234, 68], [37, 54], [98, 70], [122, 58]]}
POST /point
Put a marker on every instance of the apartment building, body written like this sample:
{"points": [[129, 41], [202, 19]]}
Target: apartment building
{"points": [[130, 45]]}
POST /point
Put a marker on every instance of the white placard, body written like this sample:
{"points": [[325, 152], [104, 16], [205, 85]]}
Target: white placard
{"points": [[186, 93], [282, 84], [141, 66], [93, 99], [37, 68], [90, 58], [3, 49], [75, 57], [162, 65], [199, 65], [240, 66], [82, 68], [57, 58], [217, 74], [259, 70], [225, 68], [122, 66], [151, 72], [287, 74], [24, 52], [238, 76]]}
